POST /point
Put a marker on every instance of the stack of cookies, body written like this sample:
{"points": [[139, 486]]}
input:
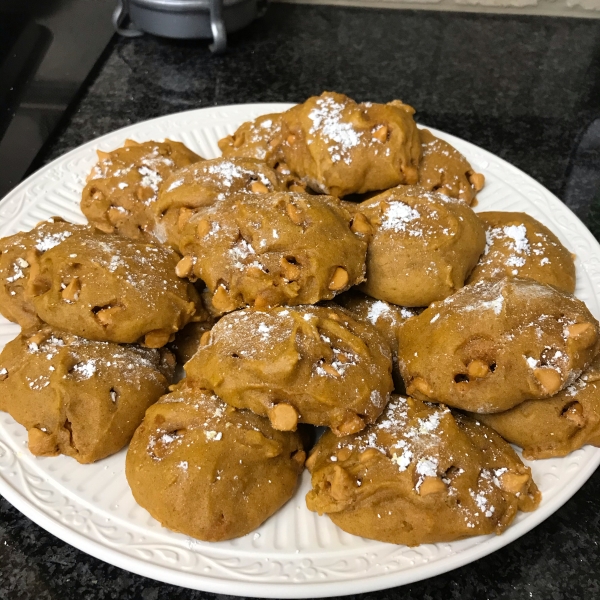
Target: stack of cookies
{"points": [[327, 271]]}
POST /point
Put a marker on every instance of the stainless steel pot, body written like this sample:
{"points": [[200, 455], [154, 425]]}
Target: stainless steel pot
{"points": [[185, 19]]}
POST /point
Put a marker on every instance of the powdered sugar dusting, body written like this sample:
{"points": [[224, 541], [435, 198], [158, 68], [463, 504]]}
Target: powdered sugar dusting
{"points": [[398, 215], [327, 123]]}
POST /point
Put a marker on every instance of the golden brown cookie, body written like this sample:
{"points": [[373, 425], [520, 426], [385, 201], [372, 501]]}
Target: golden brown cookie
{"points": [[108, 288], [556, 426], [260, 139], [519, 246], [77, 397], [210, 471], [385, 317], [419, 476], [495, 344], [339, 147], [308, 364], [424, 246], [123, 186], [17, 253], [444, 169], [271, 249], [204, 184]]}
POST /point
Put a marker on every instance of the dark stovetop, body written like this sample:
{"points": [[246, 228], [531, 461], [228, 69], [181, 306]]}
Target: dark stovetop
{"points": [[47, 50], [525, 88]]}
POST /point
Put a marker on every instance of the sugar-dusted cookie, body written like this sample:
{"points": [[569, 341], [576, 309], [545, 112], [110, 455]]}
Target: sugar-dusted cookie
{"points": [[419, 476], [495, 344], [260, 139], [271, 249], [203, 184], [385, 317], [210, 471], [17, 253], [340, 147], [108, 288], [424, 245], [519, 246], [123, 186], [308, 364], [444, 169], [555, 426], [78, 397]]}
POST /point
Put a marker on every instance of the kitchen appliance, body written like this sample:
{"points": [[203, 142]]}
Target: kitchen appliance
{"points": [[185, 19], [44, 60]]}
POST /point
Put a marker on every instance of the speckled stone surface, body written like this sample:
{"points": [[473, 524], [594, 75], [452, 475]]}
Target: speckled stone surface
{"points": [[525, 88]]}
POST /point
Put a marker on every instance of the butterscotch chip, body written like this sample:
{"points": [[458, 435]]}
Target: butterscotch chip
{"points": [[519, 246], [283, 417], [294, 214], [19, 259], [79, 397], [339, 280], [516, 328], [579, 330], [157, 338], [203, 184], [444, 169], [259, 139], [549, 379], [420, 475], [184, 266], [259, 188], [558, 425], [432, 485], [360, 223], [339, 147], [478, 368], [128, 290], [207, 472], [274, 249], [477, 181], [381, 133], [123, 187], [297, 364], [423, 247]]}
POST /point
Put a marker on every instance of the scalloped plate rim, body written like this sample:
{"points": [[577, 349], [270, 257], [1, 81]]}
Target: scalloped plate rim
{"points": [[292, 589]]}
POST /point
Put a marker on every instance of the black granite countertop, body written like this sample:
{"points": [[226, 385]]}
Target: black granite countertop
{"points": [[525, 88]]}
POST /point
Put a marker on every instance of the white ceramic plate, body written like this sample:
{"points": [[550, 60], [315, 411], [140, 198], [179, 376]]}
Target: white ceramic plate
{"points": [[295, 554]]}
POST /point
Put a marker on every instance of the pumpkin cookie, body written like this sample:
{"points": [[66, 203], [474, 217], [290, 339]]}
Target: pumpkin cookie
{"points": [[424, 245], [444, 169], [204, 184], [339, 147], [308, 364], [519, 246], [385, 317], [270, 249], [123, 186], [260, 139], [108, 288], [207, 470], [495, 344], [556, 426], [419, 476], [17, 253], [78, 397]]}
